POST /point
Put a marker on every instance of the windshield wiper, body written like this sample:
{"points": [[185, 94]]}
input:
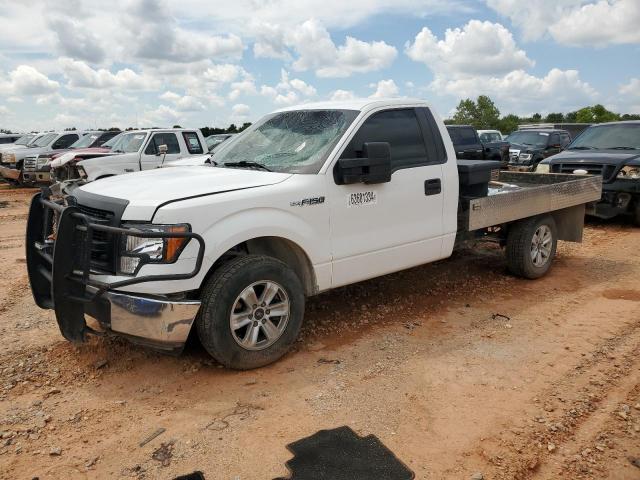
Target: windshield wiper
{"points": [[582, 147], [245, 164], [621, 148]]}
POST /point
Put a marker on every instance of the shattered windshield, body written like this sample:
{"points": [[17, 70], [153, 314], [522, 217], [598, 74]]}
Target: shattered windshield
{"points": [[44, 140], [292, 142], [85, 141]]}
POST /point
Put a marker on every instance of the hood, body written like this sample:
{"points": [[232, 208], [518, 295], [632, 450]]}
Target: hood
{"points": [[9, 147], [600, 157], [66, 157], [146, 191], [191, 161]]}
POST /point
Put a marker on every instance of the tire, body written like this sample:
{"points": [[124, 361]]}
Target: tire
{"points": [[225, 292], [521, 248]]}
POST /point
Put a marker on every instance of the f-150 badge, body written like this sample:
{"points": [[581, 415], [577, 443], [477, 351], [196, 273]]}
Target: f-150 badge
{"points": [[308, 202]]}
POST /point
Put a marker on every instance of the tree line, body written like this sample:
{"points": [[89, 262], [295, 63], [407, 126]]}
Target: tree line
{"points": [[484, 115]]}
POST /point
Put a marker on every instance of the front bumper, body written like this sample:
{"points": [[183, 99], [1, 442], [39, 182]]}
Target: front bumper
{"points": [[59, 267], [619, 197], [9, 173]]}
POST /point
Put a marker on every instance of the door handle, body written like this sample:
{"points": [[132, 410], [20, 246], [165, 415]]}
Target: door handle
{"points": [[432, 186]]}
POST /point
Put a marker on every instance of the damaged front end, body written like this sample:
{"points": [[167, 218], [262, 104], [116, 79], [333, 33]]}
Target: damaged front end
{"points": [[69, 244]]}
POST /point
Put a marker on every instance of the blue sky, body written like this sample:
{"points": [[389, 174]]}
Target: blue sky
{"points": [[195, 63]]}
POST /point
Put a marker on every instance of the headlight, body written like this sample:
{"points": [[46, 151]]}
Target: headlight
{"points": [[137, 251], [81, 171], [42, 161], [542, 168], [629, 173], [525, 156]]}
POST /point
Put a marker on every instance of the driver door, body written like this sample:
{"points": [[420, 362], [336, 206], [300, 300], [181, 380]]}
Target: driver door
{"points": [[151, 157], [381, 228]]}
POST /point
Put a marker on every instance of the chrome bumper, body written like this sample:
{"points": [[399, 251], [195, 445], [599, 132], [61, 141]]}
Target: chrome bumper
{"points": [[159, 323], [9, 173]]}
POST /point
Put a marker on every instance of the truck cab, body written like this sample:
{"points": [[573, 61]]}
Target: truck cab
{"points": [[470, 144]]}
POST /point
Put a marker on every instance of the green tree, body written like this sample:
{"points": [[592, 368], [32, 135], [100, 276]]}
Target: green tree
{"points": [[488, 113], [508, 124], [596, 114], [466, 113], [554, 118], [571, 117], [536, 117]]}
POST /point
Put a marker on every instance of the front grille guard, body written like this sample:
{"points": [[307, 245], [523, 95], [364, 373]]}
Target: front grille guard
{"points": [[60, 270]]}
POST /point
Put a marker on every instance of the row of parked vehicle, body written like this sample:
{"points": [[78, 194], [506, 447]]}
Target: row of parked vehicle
{"points": [[68, 159], [54, 157]]}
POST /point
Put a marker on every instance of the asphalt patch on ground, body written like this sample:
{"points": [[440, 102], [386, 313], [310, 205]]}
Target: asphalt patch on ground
{"points": [[340, 454]]}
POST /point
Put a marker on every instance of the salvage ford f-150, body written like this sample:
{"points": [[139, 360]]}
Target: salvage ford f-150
{"points": [[307, 199]]}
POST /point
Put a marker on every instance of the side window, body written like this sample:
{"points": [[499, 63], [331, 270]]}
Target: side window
{"points": [[400, 128], [453, 133], [467, 136], [554, 139], [65, 141], [565, 139], [168, 139], [193, 142], [105, 137]]}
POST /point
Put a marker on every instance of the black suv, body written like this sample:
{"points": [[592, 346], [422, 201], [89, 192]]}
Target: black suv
{"points": [[611, 150], [529, 147], [468, 145]]}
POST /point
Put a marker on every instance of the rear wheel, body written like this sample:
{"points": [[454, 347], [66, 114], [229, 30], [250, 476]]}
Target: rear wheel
{"points": [[531, 246], [252, 311]]}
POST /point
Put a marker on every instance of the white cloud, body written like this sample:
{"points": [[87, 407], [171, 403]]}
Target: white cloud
{"points": [[574, 22], [339, 95], [385, 89], [632, 88], [288, 91], [240, 112], [522, 93], [310, 47], [482, 58], [4, 111], [74, 40], [223, 73], [183, 103], [477, 48], [26, 80], [244, 87], [316, 51], [82, 75]]}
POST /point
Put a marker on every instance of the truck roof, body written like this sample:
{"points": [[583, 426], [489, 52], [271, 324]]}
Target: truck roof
{"points": [[356, 104], [145, 130]]}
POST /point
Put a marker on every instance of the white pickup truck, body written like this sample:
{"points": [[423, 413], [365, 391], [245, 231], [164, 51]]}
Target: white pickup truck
{"points": [[307, 199], [132, 152]]}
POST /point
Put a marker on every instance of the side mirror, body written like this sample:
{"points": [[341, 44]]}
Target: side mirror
{"points": [[162, 150], [373, 167]]}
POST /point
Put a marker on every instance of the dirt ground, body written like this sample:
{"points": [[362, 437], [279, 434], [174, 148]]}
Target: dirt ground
{"points": [[460, 369]]}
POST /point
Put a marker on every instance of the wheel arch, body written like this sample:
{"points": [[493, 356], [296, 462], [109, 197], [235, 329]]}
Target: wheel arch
{"points": [[281, 248]]}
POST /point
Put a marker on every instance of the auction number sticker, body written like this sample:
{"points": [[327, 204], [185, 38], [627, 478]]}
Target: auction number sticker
{"points": [[360, 199]]}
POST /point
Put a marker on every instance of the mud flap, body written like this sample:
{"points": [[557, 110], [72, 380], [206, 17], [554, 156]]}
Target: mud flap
{"points": [[67, 289]]}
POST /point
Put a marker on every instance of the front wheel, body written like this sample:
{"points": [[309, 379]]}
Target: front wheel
{"points": [[252, 311], [531, 246]]}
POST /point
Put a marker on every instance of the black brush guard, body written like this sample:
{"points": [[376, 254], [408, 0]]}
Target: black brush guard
{"points": [[60, 270]]}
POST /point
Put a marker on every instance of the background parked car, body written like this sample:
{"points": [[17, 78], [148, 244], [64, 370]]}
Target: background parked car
{"points": [[135, 151], [529, 147], [574, 129], [9, 137], [214, 140], [12, 162], [487, 136], [611, 150], [468, 145], [36, 168]]}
